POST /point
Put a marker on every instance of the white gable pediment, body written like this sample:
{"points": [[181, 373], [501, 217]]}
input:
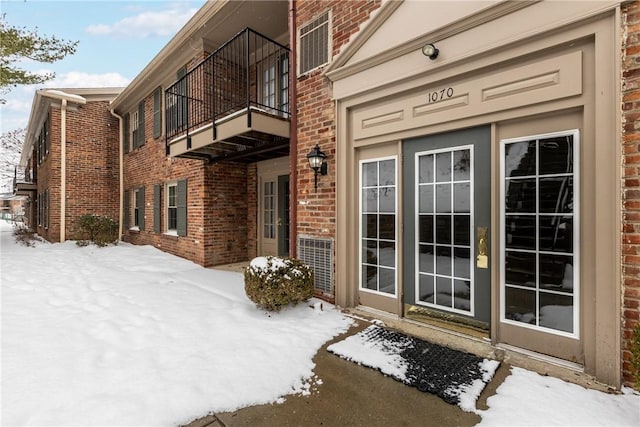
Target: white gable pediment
{"points": [[398, 22]]}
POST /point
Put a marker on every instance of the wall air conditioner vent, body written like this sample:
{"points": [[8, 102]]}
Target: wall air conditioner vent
{"points": [[318, 254]]}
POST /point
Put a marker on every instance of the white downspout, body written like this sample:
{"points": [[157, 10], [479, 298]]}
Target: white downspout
{"points": [[63, 170], [121, 171]]}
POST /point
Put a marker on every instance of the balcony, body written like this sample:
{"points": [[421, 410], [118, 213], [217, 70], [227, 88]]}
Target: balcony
{"points": [[234, 105], [24, 181]]}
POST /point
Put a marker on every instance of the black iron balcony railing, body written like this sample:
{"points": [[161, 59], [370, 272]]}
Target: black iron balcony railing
{"points": [[248, 72]]}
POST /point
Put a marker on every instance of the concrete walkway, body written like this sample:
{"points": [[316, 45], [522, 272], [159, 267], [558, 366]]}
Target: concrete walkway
{"points": [[352, 395]]}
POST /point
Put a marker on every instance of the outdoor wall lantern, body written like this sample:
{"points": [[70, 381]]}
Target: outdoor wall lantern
{"points": [[430, 51], [316, 162]]}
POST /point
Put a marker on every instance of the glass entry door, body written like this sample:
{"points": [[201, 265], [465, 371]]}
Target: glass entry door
{"points": [[447, 216]]}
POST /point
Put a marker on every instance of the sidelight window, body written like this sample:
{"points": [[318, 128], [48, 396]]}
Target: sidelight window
{"points": [[378, 226], [539, 247]]}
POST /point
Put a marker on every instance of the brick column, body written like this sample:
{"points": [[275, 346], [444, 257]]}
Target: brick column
{"points": [[631, 177]]}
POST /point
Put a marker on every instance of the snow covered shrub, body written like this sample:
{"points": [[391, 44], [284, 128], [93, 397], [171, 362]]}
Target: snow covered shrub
{"points": [[273, 283], [97, 229], [24, 235]]}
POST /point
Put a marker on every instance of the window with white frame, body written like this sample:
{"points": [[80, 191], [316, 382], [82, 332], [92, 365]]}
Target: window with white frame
{"points": [[138, 208], [378, 226], [315, 43], [135, 123], [540, 239], [275, 84], [269, 210], [172, 207]]}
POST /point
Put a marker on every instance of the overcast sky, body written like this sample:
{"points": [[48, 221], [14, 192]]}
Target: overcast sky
{"points": [[117, 39]]}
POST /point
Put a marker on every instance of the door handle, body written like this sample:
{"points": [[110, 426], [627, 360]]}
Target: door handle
{"points": [[279, 222], [482, 261]]}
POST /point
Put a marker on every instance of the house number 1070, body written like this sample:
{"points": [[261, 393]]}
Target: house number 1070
{"points": [[441, 94]]}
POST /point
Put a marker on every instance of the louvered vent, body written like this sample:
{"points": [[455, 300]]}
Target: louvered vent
{"points": [[318, 254]]}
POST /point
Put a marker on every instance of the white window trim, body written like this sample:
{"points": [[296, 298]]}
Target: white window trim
{"points": [[134, 206], [170, 231], [360, 237], [135, 121], [576, 235], [472, 240], [329, 43]]}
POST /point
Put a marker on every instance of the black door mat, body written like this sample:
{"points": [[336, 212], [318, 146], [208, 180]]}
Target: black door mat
{"points": [[455, 376]]}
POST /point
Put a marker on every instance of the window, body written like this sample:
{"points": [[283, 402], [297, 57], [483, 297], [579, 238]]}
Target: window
{"points": [[172, 207], [157, 112], [275, 84], [46, 204], [43, 141], [269, 210], [540, 236], [175, 208], [315, 43], [176, 103], [39, 204], [138, 208], [137, 126], [378, 226], [134, 127], [43, 209]]}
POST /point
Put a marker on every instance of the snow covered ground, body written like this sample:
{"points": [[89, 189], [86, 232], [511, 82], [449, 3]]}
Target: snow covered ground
{"points": [[129, 335]]}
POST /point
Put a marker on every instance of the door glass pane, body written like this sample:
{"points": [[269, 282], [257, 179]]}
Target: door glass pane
{"points": [[425, 232], [443, 260], [425, 169], [462, 165], [425, 289], [443, 229], [445, 269], [539, 239], [425, 194], [269, 213], [443, 166], [443, 198], [378, 225], [425, 258], [443, 291], [462, 198], [462, 230], [461, 263], [462, 295]]}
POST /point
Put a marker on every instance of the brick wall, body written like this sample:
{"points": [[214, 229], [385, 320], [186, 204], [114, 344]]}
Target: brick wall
{"points": [[316, 210], [216, 200], [49, 179], [92, 166], [630, 176]]}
